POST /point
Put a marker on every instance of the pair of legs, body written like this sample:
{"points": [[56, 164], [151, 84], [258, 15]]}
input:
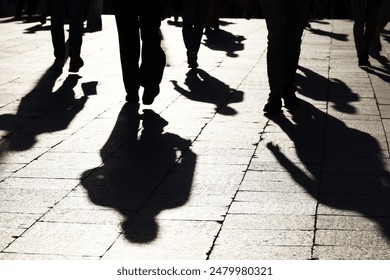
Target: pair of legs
{"points": [[365, 16], [73, 11], [285, 21], [194, 16], [384, 18], [141, 22]]}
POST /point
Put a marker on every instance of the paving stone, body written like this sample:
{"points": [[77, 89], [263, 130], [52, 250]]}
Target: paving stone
{"points": [[356, 223], [250, 252], [143, 241], [40, 257], [39, 184], [354, 204], [65, 239], [349, 238], [242, 238], [17, 220], [274, 222], [84, 216], [350, 253], [8, 235]]}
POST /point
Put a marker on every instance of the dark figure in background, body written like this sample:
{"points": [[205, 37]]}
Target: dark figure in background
{"points": [[285, 21], [384, 18], [143, 19], [176, 6], [194, 16], [62, 11], [213, 15], [365, 16], [26, 7], [93, 13]]}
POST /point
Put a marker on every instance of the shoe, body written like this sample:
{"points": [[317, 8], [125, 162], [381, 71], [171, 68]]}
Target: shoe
{"points": [[273, 105], [289, 97], [150, 93], [375, 53], [290, 100], [363, 61], [42, 19], [192, 60], [75, 64], [132, 98], [57, 65]]}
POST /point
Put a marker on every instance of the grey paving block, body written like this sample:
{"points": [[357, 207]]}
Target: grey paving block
{"points": [[250, 252], [350, 253], [349, 238], [39, 184], [354, 204], [272, 222], [353, 223], [41, 257], [143, 241], [242, 238], [65, 239]]}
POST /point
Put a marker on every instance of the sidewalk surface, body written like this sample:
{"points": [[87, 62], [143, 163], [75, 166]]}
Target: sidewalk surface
{"points": [[201, 173]]}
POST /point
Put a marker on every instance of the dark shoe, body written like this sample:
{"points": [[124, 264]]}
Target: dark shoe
{"points": [[132, 94], [363, 61], [289, 97], [75, 64], [42, 19], [132, 98], [273, 105], [290, 100], [192, 60], [150, 93], [57, 65], [375, 53]]}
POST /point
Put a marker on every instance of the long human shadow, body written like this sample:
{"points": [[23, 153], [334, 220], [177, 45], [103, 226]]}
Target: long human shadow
{"points": [[135, 177], [382, 72], [315, 86], [42, 110], [225, 41], [337, 36], [202, 87], [341, 167]]}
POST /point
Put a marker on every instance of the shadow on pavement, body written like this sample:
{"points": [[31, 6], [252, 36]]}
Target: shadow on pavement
{"points": [[353, 175], [135, 179], [42, 110], [203, 87], [225, 41]]}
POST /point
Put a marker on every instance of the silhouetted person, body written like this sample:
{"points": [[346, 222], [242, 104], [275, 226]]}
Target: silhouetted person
{"points": [[213, 15], [143, 22], [384, 18], [194, 16], [285, 21], [94, 9], [176, 6], [62, 11], [365, 16], [26, 7]]}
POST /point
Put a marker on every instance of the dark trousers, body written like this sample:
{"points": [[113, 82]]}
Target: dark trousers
{"points": [[194, 15], [366, 17], [140, 23], [285, 21], [62, 11]]}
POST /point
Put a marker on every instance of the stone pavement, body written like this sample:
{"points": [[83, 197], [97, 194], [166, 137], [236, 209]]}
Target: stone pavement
{"points": [[202, 173]]}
